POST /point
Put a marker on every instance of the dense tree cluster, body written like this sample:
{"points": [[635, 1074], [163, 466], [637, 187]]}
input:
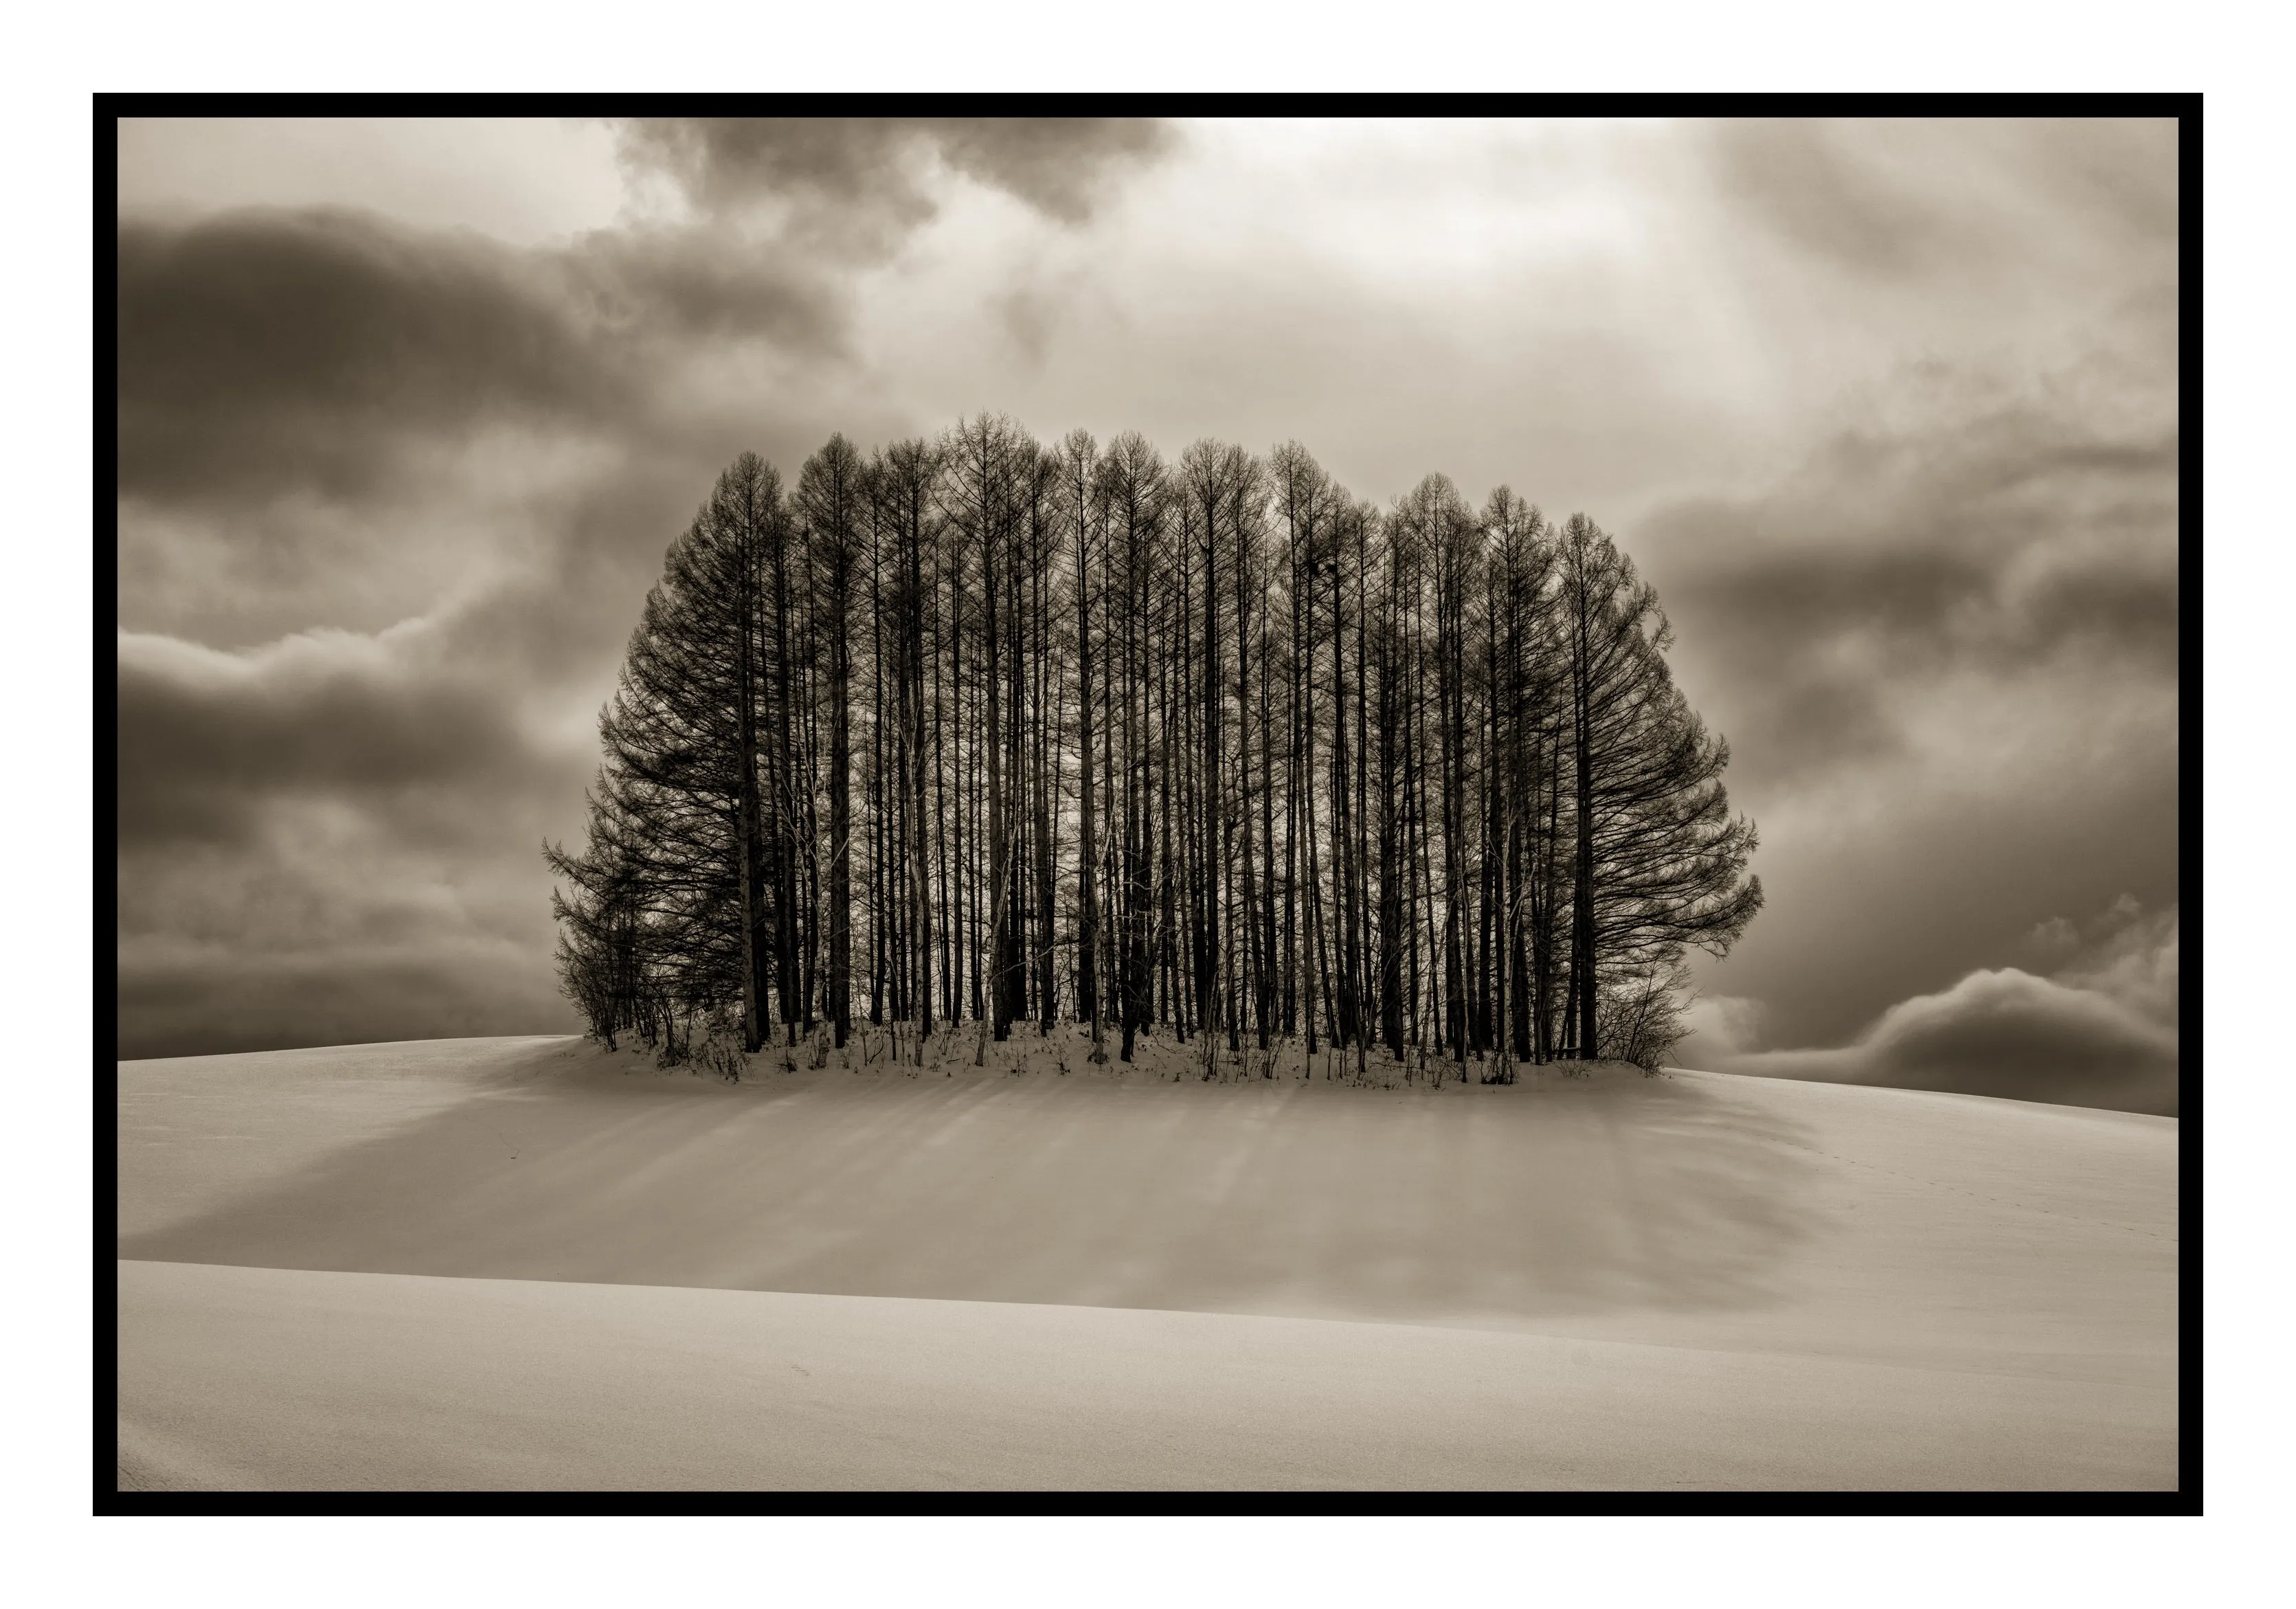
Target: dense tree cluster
{"points": [[978, 729]]}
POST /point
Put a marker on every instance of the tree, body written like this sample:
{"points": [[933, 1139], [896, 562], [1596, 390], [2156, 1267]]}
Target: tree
{"points": [[830, 496], [676, 831], [1085, 506], [1658, 859], [905, 480], [992, 472], [1207, 749], [1134, 493]]}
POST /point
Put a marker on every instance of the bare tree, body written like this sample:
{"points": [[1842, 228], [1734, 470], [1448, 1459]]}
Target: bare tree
{"points": [[1421, 776]]}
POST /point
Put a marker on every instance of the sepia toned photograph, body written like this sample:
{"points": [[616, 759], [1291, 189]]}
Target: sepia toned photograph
{"points": [[1265, 808]]}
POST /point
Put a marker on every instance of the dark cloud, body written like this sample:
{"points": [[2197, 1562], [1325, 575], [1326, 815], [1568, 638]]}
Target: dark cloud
{"points": [[208, 742], [698, 283], [228, 1000], [2006, 543], [2100, 1031], [840, 168], [1944, 650], [2004, 1033], [2125, 951], [262, 350], [265, 352], [1905, 886], [1060, 166], [333, 839], [1811, 640]]}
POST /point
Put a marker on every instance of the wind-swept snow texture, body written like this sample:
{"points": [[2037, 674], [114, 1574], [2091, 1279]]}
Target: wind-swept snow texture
{"points": [[997, 1278]]}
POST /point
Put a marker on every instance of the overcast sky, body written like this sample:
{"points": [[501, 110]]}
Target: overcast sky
{"points": [[1888, 414]]}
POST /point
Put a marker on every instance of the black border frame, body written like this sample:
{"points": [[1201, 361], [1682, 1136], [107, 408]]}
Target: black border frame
{"points": [[2185, 109]]}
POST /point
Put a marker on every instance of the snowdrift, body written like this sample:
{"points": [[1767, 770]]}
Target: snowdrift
{"points": [[498, 1262]]}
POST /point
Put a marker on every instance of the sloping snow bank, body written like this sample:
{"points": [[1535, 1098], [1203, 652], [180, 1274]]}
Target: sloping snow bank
{"points": [[1699, 1279], [194, 1130], [252, 1378], [1701, 1210]]}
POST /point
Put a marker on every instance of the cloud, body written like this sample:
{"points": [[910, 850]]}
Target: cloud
{"points": [[222, 997], [2001, 1033], [328, 419], [1722, 1026], [2101, 1032], [1894, 198], [524, 180], [265, 352], [1887, 412], [2008, 542], [867, 177], [1812, 183], [262, 350], [332, 837], [1936, 230], [2126, 952], [695, 284], [375, 579], [335, 921], [1943, 644], [209, 742]]}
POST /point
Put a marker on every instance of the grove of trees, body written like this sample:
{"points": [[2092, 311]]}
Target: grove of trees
{"points": [[980, 735]]}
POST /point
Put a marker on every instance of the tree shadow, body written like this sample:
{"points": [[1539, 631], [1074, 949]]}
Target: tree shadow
{"points": [[1499, 1204]]}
